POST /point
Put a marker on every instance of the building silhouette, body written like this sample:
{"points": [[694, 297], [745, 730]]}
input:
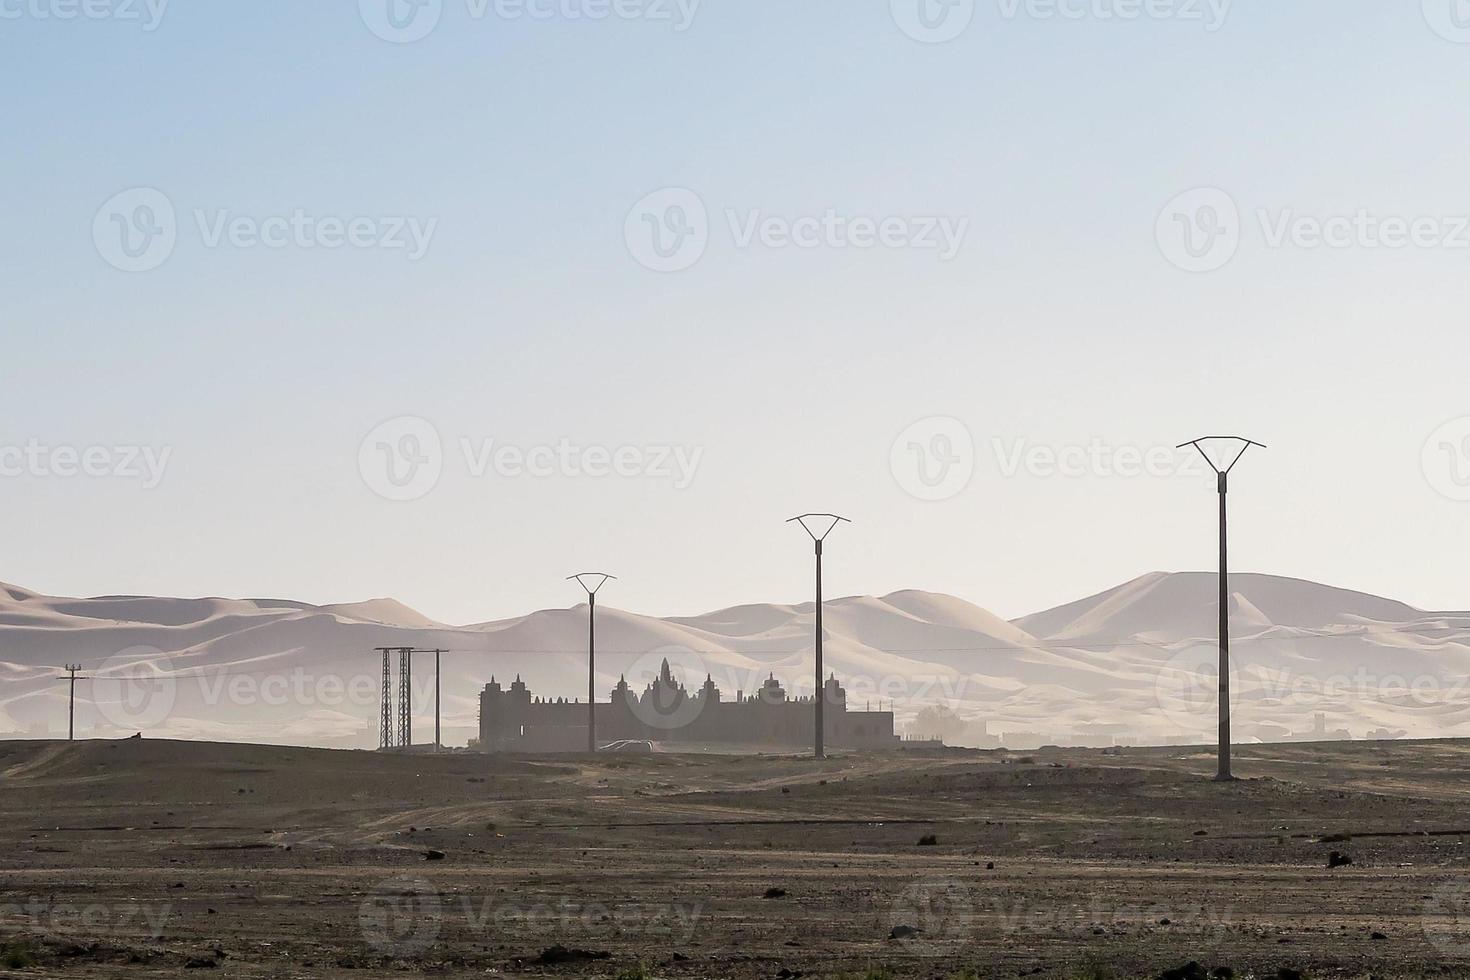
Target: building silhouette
{"points": [[512, 720]]}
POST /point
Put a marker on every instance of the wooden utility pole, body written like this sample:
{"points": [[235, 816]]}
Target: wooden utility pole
{"points": [[71, 708]]}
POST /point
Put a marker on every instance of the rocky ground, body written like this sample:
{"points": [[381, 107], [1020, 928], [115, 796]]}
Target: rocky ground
{"points": [[147, 858]]}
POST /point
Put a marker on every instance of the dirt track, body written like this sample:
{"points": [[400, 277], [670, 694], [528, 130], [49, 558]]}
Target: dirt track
{"points": [[137, 858]]}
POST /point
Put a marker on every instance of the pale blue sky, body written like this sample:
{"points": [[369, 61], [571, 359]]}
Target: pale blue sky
{"points": [[1060, 321]]}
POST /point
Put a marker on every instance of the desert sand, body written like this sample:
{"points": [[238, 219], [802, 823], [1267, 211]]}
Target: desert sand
{"points": [[141, 858], [1130, 664]]}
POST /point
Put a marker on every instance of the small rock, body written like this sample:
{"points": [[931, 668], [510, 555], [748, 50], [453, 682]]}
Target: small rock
{"points": [[1189, 971], [1337, 859], [903, 932], [560, 954], [775, 893]]}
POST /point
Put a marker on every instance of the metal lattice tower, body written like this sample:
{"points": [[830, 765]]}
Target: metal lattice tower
{"points": [[385, 729], [405, 697]]}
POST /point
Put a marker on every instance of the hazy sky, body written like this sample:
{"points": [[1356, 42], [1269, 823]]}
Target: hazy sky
{"points": [[727, 254]]}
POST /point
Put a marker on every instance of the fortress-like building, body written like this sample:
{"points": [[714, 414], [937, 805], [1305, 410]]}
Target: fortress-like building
{"points": [[511, 720]]}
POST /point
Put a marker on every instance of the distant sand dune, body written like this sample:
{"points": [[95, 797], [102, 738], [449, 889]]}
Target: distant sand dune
{"points": [[1130, 662]]}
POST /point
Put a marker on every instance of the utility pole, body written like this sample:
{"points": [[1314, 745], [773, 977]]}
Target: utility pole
{"points": [[71, 708], [602, 579], [385, 724], [438, 733], [405, 697], [1222, 773], [808, 522]]}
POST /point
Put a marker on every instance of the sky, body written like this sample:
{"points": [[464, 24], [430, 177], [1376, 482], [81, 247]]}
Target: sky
{"points": [[446, 302]]}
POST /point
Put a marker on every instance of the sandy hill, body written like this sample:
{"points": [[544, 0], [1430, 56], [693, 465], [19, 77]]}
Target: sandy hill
{"points": [[1184, 604], [1134, 662]]}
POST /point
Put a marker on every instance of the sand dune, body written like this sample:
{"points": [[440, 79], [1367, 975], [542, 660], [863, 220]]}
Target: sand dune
{"points": [[1133, 663]]}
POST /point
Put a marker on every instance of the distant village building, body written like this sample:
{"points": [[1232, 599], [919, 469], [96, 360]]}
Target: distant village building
{"points": [[511, 720], [1320, 732]]}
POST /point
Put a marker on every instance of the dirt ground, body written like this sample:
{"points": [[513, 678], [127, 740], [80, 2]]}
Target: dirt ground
{"points": [[149, 858]]}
